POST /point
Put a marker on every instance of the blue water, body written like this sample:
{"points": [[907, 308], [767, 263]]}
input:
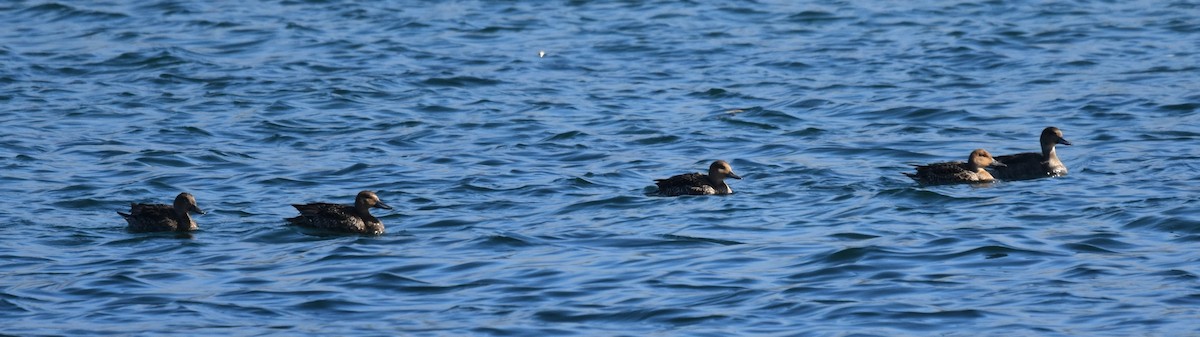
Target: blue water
{"points": [[521, 182]]}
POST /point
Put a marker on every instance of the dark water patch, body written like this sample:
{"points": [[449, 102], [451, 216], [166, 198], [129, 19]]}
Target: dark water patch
{"points": [[60, 12], [460, 81], [1086, 272], [720, 93], [1081, 63], [281, 181], [615, 315], [1166, 224], [1192, 299], [699, 239], [498, 241], [814, 17], [617, 201], [436, 108], [569, 135], [344, 307], [746, 123], [809, 132], [832, 273], [853, 236], [243, 45], [997, 252], [658, 140], [570, 156], [142, 60], [1175, 274], [434, 290], [83, 203], [1182, 108], [918, 113], [1087, 248], [1161, 69], [787, 65], [664, 243], [447, 223]]}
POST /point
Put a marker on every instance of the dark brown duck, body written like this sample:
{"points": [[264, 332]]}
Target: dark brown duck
{"points": [[163, 218], [699, 184], [1032, 165], [342, 218], [956, 172]]}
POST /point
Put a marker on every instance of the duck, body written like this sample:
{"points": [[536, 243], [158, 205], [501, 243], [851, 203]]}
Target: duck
{"points": [[1032, 165], [355, 219], [697, 183], [163, 218], [956, 172]]}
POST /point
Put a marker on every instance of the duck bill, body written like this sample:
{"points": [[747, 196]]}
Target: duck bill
{"points": [[198, 210], [1063, 141], [997, 163], [733, 175], [380, 204]]}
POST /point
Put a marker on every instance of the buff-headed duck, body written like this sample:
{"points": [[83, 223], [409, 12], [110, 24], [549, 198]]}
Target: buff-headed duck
{"points": [[697, 183], [956, 172], [342, 218], [163, 218]]}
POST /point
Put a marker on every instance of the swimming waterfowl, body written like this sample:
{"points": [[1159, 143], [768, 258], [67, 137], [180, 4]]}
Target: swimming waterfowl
{"points": [[342, 218], [699, 184], [957, 172], [1031, 165], [163, 218]]}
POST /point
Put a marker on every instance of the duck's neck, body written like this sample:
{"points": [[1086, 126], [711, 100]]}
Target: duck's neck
{"points": [[183, 221], [364, 212], [719, 185], [973, 167], [1053, 164], [1048, 152], [983, 174], [373, 225]]}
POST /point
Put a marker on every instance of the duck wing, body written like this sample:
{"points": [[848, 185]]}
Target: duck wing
{"points": [[151, 210], [942, 173], [327, 216], [326, 210], [690, 183], [150, 217]]}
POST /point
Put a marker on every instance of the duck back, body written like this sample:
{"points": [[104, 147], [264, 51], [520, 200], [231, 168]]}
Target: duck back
{"points": [[947, 173], [1029, 165], [154, 218], [685, 184], [335, 218]]}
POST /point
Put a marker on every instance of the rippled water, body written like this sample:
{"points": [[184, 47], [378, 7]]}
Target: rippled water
{"points": [[521, 181]]}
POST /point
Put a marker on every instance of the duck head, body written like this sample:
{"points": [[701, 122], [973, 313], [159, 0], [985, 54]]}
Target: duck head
{"points": [[184, 203], [368, 199], [720, 170], [980, 158], [1052, 135]]}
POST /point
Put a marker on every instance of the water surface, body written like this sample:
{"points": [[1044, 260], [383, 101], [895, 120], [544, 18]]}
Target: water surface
{"points": [[521, 181]]}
